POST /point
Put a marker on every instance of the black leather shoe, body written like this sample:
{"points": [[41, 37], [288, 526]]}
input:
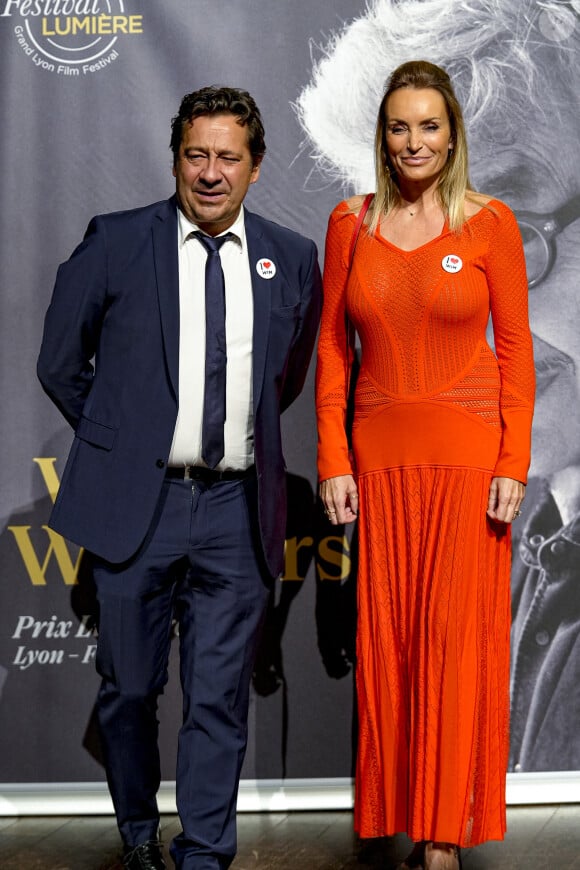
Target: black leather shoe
{"points": [[147, 856]]}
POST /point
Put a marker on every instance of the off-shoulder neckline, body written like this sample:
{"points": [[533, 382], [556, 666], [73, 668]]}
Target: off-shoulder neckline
{"points": [[444, 232]]}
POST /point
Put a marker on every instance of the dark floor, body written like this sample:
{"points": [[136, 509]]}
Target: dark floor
{"points": [[539, 838]]}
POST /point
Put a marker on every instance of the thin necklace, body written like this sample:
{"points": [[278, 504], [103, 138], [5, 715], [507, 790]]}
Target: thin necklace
{"points": [[408, 210]]}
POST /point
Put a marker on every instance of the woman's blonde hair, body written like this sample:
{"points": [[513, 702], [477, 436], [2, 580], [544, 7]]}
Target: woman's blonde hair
{"points": [[454, 181]]}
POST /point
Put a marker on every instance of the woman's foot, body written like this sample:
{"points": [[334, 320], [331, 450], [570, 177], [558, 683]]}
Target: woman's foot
{"points": [[442, 856], [415, 860]]}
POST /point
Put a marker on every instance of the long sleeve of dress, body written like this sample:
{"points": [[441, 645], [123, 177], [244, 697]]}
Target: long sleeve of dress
{"points": [[333, 364], [508, 290]]}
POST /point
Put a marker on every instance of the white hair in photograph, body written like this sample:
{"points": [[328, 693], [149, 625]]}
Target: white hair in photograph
{"points": [[493, 51]]}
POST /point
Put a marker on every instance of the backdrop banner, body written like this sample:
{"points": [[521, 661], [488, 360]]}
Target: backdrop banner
{"points": [[89, 88]]}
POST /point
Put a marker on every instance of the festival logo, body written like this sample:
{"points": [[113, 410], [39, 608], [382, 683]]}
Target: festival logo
{"points": [[71, 37]]}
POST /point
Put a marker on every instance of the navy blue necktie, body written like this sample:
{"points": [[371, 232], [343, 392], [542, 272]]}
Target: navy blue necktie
{"points": [[214, 397]]}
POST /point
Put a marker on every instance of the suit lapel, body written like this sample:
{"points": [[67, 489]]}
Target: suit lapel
{"points": [[164, 233], [262, 301]]}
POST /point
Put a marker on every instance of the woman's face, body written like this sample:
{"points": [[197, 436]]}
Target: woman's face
{"points": [[418, 134]]}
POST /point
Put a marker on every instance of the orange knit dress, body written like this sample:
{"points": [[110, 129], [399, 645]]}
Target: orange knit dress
{"points": [[437, 414]]}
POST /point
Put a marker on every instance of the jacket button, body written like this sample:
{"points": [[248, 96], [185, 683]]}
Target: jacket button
{"points": [[160, 463]]}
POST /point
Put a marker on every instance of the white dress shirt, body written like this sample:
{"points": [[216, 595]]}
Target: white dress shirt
{"points": [[238, 430]]}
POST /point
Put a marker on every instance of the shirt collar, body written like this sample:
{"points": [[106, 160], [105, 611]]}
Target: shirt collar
{"points": [[187, 227], [544, 530]]}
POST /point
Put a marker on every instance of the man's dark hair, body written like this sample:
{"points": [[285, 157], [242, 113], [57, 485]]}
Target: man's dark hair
{"points": [[215, 100]]}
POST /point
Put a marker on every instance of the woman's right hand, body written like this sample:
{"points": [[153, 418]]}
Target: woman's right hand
{"points": [[339, 496]]}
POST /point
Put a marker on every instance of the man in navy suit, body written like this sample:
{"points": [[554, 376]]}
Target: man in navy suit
{"points": [[172, 532]]}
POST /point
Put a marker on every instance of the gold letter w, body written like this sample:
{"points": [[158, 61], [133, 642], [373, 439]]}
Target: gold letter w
{"points": [[56, 543]]}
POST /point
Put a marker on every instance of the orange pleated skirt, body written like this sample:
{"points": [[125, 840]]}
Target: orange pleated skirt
{"points": [[432, 657]]}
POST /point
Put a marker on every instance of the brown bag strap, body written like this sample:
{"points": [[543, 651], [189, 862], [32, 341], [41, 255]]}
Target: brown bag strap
{"points": [[350, 330], [359, 222], [350, 337]]}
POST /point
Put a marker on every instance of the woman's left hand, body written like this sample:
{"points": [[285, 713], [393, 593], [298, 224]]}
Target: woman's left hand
{"points": [[505, 498]]}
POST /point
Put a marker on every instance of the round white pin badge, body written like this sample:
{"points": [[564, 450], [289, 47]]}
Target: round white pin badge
{"points": [[452, 263], [266, 268]]}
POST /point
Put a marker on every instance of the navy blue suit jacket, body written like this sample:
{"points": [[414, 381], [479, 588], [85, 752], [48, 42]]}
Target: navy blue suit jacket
{"points": [[109, 360]]}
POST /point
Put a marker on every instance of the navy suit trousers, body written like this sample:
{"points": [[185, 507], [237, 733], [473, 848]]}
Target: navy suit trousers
{"points": [[201, 564]]}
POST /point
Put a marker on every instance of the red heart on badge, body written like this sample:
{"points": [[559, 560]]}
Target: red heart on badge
{"points": [[266, 264], [454, 259]]}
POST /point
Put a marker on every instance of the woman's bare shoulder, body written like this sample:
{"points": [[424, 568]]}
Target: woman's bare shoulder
{"points": [[355, 203], [474, 202]]}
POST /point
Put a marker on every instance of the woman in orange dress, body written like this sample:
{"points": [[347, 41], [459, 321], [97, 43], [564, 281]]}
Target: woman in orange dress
{"points": [[440, 453]]}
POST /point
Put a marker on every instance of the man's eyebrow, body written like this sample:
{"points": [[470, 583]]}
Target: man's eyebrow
{"points": [[225, 152]]}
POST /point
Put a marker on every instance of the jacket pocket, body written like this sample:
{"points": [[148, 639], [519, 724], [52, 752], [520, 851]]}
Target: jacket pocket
{"points": [[286, 311], [96, 433]]}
